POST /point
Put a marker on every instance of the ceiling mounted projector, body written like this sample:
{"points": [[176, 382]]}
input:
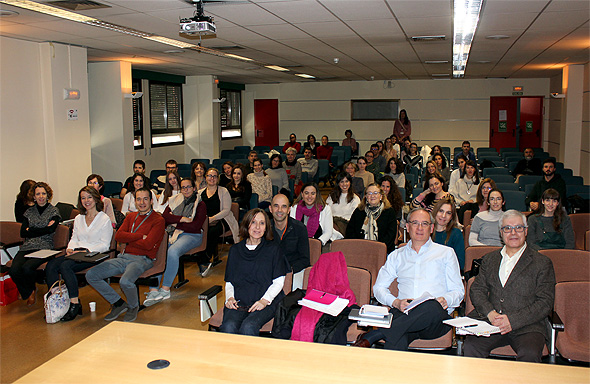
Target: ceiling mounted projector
{"points": [[199, 23]]}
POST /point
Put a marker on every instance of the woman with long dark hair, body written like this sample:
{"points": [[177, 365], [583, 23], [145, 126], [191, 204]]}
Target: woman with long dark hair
{"points": [[39, 224], [310, 209], [97, 182], [446, 231], [254, 277], [441, 166], [342, 201], [549, 226], [226, 176], [389, 186], [466, 187], [402, 126], [139, 181], [395, 170], [171, 188], [198, 171], [311, 144], [432, 193], [481, 200], [240, 189], [23, 200], [92, 232], [374, 219]]}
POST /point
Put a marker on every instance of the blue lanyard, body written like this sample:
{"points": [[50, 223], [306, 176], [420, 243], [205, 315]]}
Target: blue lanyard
{"points": [[133, 229]]}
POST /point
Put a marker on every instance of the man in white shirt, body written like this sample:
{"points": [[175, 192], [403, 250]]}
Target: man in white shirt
{"points": [[420, 267], [308, 163], [514, 291]]}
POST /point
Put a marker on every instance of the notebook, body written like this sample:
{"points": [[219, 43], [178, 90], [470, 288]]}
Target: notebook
{"points": [[88, 257]]}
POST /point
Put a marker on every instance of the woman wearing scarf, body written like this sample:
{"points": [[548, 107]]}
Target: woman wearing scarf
{"points": [[184, 215], [310, 209], [374, 219]]}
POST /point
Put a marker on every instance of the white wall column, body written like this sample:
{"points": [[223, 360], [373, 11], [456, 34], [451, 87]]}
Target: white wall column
{"points": [[111, 119], [202, 134]]}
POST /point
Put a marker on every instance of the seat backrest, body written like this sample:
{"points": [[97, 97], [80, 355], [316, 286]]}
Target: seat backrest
{"points": [[569, 264], [587, 246], [366, 254], [117, 203], [315, 250], [515, 200], [466, 231], [160, 262], [61, 237], [581, 224], [359, 280], [203, 245], [472, 253], [468, 306], [572, 305], [10, 232]]}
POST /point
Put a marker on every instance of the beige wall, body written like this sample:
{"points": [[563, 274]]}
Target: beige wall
{"points": [[36, 139], [585, 153], [442, 112]]}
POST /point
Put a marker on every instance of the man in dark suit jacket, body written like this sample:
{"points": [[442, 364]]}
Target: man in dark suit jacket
{"points": [[514, 291]]}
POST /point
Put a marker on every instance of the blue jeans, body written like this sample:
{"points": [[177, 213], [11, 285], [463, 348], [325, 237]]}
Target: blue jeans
{"points": [[131, 266], [244, 322], [185, 242]]}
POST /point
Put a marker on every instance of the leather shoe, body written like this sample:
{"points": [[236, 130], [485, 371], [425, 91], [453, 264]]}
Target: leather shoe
{"points": [[74, 310], [361, 341], [32, 299]]}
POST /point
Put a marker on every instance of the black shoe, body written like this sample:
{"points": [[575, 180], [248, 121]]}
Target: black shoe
{"points": [[75, 310]]}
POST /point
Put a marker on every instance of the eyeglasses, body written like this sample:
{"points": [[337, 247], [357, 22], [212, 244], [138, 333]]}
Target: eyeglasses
{"points": [[186, 187], [417, 223], [373, 193], [487, 188], [212, 176], [509, 228]]}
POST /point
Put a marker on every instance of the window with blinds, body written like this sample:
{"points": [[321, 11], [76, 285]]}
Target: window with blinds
{"points": [[166, 113], [231, 114], [137, 116]]}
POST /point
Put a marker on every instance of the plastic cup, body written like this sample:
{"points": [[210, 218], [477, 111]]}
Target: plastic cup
{"points": [[92, 306]]}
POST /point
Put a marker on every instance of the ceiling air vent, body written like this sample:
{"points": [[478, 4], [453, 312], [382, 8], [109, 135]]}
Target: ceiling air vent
{"points": [[78, 5], [428, 38]]}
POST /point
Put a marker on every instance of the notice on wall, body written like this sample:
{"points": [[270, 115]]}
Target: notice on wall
{"points": [[72, 114], [502, 126], [503, 115], [529, 126]]}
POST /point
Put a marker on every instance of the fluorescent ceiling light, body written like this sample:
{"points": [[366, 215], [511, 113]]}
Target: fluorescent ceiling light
{"points": [[440, 74], [305, 76], [49, 10], [277, 68], [238, 57], [497, 37], [465, 19], [436, 62], [172, 42]]}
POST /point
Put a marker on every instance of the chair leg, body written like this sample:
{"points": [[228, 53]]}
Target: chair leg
{"points": [[181, 279]]}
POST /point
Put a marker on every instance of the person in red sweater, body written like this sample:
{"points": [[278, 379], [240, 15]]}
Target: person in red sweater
{"points": [[292, 143], [324, 151], [142, 232]]}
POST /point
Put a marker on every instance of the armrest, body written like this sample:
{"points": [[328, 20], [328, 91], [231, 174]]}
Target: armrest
{"points": [[556, 322], [210, 293], [9, 245]]}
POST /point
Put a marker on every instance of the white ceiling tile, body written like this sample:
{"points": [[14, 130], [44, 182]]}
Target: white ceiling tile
{"points": [[420, 8], [327, 29], [303, 11], [493, 7], [358, 10], [245, 14], [278, 32]]}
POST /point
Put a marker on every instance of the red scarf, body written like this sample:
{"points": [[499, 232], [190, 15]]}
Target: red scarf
{"points": [[313, 223], [329, 274]]}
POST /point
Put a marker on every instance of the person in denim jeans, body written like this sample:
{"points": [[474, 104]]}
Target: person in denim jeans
{"points": [[184, 217], [142, 232]]}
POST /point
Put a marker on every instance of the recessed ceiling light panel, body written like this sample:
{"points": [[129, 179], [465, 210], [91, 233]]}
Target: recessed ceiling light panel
{"points": [[497, 37]]}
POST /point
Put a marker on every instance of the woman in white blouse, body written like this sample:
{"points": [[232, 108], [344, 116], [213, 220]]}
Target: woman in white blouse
{"points": [[139, 181], [92, 232], [343, 201]]}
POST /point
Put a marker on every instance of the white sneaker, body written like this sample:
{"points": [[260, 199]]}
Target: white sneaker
{"points": [[153, 297], [164, 294]]}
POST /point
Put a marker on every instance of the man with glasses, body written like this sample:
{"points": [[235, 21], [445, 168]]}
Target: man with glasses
{"points": [[423, 269], [514, 291]]}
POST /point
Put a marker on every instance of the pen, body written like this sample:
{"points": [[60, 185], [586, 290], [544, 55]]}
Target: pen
{"points": [[470, 326]]}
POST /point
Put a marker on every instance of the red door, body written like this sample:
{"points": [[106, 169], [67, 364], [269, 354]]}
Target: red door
{"points": [[503, 111], [531, 122], [266, 122], [516, 122]]}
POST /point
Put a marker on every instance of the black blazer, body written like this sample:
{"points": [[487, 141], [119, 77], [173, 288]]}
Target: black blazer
{"points": [[386, 224], [526, 298]]}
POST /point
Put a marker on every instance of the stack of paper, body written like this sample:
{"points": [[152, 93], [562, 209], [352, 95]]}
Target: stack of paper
{"points": [[324, 302], [469, 326], [372, 315]]}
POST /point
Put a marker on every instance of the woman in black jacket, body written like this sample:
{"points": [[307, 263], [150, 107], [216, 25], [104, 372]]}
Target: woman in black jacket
{"points": [[374, 219]]}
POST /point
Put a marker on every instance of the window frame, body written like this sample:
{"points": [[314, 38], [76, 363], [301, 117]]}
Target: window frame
{"points": [[225, 93], [181, 114]]}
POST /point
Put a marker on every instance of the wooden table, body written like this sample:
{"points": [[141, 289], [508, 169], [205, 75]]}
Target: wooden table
{"points": [[119, 353]]}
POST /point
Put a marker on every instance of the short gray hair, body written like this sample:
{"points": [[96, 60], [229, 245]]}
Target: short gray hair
{"points": [[291, 149], [512, 213]]}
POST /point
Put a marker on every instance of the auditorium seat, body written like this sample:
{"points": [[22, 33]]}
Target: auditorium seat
{"points": [[572, 305], [580, 224]]}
